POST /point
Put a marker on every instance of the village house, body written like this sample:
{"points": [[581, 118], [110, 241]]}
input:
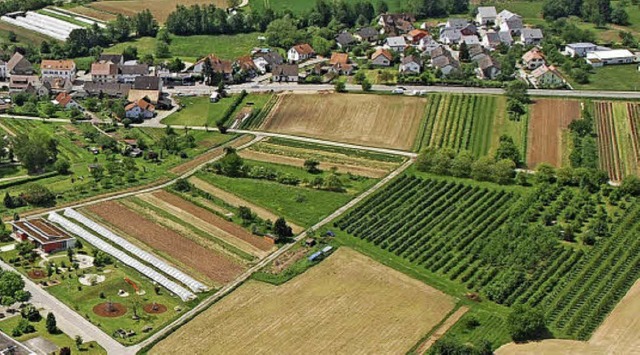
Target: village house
{"points": [[129, 73], [410, 65], [46, 236], [119, 90], [246, 66], [492, 39], [65, 69], [533, 58], [509, 22], [456, 23], [529, 36], [104, 72], [381, 58], [427, 44], [450, 35], [42, 91], [224, 68], [610, 57], [266, 61], [300, 53], [345, 40], [486, 15], [146, 86], [366, 34], [396, 44], [475, 52], [3, 70], [19, 65], [546, 77], [395, 24], [579, 49], [488, 68], [57, 85], [446, 63], [339, 64], [416, 35], [116, 59], [470, 40], [285, 73], [141, 109], [21, 82], [65, 101]]}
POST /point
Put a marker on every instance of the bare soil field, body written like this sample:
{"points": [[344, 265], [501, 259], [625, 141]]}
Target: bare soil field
{"points": [[212, 154], [549, 118], [211, 264], [94, 13], [236, 201], [209, 222], [349, 304], [285, 160], [370, 120], [159, 8], [618, 334]]}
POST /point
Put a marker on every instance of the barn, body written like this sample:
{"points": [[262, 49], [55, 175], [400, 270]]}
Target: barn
{"points": [[46, 236]]}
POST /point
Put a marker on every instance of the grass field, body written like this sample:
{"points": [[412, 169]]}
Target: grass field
{"points": [[357, 306], [549, 120], [370, 120], [159, 8], [612, 77], [191, 48], [22, 35], [199, 111]]}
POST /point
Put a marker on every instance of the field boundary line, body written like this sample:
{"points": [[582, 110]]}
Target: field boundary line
{"points": [[264, 262], [441, 329]]}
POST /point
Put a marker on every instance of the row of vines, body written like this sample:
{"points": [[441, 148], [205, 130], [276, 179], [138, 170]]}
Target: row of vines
{"points": [[546, 246]]}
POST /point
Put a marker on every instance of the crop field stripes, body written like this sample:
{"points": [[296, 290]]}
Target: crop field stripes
{"points": [[460, 122], [608, 141], [633, 112]]}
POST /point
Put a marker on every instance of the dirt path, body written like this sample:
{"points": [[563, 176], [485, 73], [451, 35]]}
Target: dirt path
{"points": [[9, 131], [280, 159], [444, 327], [237, 201]]}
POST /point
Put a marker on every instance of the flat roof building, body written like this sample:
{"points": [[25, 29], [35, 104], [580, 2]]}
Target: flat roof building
{"points": [[44, 234]]}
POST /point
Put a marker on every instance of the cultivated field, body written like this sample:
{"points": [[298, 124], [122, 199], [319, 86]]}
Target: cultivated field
{"points": [[549, 119], [617, 130], [159, 8], [209, 155], [347, 304], [415, 219], [370, 120], [183, 248]]}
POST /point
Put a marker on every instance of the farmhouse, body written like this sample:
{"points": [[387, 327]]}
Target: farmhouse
{"points": [[19, 65], [382, 58], [486, 15], [529, 36], [339, 63], [300, 52], [109, 89], [104, 72], [533, 59], [57, 85], [65, 100], [129, 73], [223, 67], [46, 236], [285, 73], [579, 49], [146, 86], [21, 82], [614, 56], [140, 109], [366, 34], [65, 69]]}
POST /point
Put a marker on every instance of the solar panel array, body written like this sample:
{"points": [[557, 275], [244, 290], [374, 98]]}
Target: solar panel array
{"points": [[178, 290], [143, 255], [46, 25]]}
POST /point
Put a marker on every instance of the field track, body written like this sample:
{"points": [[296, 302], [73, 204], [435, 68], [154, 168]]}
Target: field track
{"points": [[237, 201], [356, 305], [369, 120], [210, 263], [549, 118]]}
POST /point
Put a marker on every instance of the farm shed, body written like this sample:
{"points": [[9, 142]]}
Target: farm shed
{"points": [[46, 236]]}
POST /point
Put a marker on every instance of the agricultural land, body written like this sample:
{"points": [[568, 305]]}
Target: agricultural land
{"points": [[377, 121], [347, 296], [159, 8]]}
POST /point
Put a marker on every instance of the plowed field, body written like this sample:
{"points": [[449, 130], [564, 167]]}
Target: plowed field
{"points": [[348, 304], [211, 264], [159, 8], [370, 120], [549, 118]]}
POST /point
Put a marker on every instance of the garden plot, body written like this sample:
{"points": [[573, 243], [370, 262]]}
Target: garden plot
{"points": [[549, 119], [617, 130], [347, 304]]}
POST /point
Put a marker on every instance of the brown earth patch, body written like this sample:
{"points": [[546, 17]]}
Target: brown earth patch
{"points": [[370, 120], [159, 8], [236, 201], [209, 155], [37, 274], [154, 308], [109, 310], [549, 117], [210, 263]]}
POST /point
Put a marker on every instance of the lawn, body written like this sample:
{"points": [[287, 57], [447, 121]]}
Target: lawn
{"points": [[301, 205], [191, 48], [612, 77], [199, 111], [61, 339]]}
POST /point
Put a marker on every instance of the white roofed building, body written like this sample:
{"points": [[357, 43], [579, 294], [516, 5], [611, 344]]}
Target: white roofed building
{"points": [[614, 56]]}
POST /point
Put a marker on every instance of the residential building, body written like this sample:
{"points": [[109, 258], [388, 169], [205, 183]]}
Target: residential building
{"points": [[546, 77], [19, 65], [486, 15], [219, 66], [410, 65], [488, 68], [427, 44], [285, 73], [510, 22], [109, 89], [246, 65], [381, 58], [300, 52], [104, 72], [21, 82], [580, 49], [506, 38], [261, 64], [492, 39], [57, 85], [533, 58], [146, 86], [469, 30], [446, 63], [3, 70], [65, 101], [46, 236], [449, 35], [529, 36], [116, 59], [394, 24], [267, 61], [396, 44], [129, 73], [366, 34], [345, 40], [475, 52], [339, 64], [614, 56], [141, 109], [416, 35], [456, 23], [470, 40], [65, 69]]}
